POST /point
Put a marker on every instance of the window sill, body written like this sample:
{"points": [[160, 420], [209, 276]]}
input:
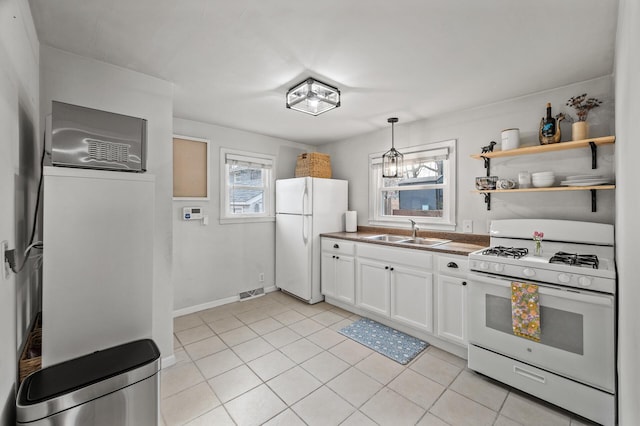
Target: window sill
{"points": [[245, 219]]}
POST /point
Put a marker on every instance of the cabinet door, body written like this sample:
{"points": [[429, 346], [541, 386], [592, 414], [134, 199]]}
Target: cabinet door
{"points": [[412, 297], [373, 286], [328, 274], [344, 280], [452, 309]]}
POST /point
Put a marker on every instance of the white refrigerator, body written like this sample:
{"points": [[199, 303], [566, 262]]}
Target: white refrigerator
{"points": [[305, 208]]}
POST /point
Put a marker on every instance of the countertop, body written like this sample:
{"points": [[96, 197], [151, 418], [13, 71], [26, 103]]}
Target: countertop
{"points": [[461, 244]]}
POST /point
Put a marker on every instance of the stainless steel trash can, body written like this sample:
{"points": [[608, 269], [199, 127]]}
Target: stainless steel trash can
{"points": [[115, 386]]}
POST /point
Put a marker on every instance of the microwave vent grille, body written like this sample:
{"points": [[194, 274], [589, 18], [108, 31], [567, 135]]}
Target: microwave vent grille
{"points": [[108, 151]]}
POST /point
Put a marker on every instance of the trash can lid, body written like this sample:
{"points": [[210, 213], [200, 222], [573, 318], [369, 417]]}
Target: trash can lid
{"points": [[69, 376]]}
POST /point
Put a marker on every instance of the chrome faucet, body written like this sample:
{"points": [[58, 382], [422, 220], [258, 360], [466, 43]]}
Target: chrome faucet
{"points": [[414, 228]]}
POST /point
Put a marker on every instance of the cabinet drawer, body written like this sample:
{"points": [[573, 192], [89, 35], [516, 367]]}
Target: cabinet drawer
{"points": [[338, 246], [410, 257], [453, 265]]}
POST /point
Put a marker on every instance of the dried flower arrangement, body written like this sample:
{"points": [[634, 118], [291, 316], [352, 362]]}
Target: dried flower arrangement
{"points": [[583, 105]]}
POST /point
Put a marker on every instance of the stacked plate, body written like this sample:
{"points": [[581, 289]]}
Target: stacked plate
{"points": [[584, 180], [543, 179]]}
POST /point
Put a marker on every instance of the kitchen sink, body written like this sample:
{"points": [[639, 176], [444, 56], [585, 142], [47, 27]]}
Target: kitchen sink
{"points": [[390, 238], [425, 241], [405, 239]]}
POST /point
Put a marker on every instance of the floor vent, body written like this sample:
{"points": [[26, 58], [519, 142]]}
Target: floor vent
{"points": [[251, 294]]}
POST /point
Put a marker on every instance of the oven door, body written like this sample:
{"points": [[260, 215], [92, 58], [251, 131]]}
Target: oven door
{"points": [[577, 329]]}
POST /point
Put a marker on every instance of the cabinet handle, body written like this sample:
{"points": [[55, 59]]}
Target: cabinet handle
{"points": [[386, 267], [452, 265], [391, 269], [333, 257], [464, 283], [337, 257], [336, 246]]}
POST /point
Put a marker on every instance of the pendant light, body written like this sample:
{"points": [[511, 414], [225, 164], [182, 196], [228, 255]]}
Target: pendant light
{"points": [[392, 160]]}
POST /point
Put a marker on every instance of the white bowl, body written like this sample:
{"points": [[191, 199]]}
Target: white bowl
{"points": [[542, 174], [542, 183]]}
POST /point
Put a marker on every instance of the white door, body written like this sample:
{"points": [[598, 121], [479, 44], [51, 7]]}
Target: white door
{"points": [[412, 297], [293, 254], [345, 279], [328, 273], [452, 309], [373, 286], [294, 196]]}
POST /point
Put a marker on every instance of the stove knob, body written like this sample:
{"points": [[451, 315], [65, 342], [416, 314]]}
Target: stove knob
{"points": [[564, 278], [529, 272], [584, 281], [498, 267], [483, 265]]}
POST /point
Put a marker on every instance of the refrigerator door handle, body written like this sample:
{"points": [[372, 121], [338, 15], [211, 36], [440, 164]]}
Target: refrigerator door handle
{"points": [[305, 195], [305, 237]]}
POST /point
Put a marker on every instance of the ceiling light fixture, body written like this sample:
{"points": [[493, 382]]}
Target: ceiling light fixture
{"points": [[313, 97], [392, 160]]}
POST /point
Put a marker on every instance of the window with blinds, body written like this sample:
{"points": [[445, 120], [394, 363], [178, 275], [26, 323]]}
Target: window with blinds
{"points": [[425, 191], [247, 185]]}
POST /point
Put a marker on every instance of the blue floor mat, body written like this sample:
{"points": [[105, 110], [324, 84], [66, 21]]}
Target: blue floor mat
{"points": [[391, 343]]}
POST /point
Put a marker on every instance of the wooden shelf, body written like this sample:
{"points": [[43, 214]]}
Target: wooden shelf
{"points": [[539, 149], [593, 189], [549, 189]]}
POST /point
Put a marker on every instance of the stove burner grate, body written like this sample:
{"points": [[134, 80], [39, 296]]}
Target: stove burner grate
{"points": [[589, 260], [515, 252]]}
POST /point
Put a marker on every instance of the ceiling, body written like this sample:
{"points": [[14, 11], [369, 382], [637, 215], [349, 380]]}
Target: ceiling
{"points": [[233, 61]]}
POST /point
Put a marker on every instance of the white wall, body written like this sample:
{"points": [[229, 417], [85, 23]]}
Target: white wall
{"points": [[215, 262], [627, 79], [74, 79], [475, 128], [19, 165]]}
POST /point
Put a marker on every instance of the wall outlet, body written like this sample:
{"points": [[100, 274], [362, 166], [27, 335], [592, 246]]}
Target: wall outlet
{"points": [[261, 277], [467, 226]]}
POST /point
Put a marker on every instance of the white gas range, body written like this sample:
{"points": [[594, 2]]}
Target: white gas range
{"points": [[573, 363]]}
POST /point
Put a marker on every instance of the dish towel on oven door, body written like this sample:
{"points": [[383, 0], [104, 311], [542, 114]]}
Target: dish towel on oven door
{"points": [[525, 310]]}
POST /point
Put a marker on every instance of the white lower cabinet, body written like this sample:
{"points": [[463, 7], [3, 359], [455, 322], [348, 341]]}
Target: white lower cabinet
{"points": [[337, 270], [412, 297], [400, 284], [452, 299], [373, 286], [396, 283]]}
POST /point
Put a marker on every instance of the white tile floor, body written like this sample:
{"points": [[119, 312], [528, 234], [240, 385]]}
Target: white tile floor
{"points": [[274, 360]]}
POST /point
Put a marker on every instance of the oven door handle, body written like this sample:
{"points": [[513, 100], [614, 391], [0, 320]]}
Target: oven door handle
{"points": [[602, 300]]}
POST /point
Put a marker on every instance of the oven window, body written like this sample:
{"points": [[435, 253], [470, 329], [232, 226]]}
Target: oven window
{"points": [[559, 329]]}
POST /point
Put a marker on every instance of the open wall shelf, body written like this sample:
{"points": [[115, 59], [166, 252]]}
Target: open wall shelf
{"points": [[540, 149], [592, 143]]}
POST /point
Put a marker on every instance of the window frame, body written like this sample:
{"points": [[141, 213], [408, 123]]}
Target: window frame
{"points": [[226, 216], [449, 186]]}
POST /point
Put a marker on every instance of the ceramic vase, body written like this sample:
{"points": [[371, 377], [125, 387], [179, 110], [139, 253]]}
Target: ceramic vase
{"points": [[579, 130]]}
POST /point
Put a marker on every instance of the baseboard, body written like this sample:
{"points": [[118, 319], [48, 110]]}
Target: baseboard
{"points": [[215, 303], [167, 361], [203, 306]]}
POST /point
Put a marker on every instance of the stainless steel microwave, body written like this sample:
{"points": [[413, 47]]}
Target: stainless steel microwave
{"points": [[94, 139]]}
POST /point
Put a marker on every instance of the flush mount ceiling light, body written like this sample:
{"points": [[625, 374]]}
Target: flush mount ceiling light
{"points": [[392, 160], [313, 97]]}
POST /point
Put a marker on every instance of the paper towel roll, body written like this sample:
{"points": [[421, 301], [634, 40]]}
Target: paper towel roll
{"points": [[351, 221]]}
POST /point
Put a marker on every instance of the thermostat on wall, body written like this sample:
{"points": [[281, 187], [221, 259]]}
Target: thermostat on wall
{"points": [[192, 213]]}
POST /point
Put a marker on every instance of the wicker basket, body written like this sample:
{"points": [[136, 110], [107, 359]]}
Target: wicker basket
{"points": [[31, 357], [314, 164]]}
